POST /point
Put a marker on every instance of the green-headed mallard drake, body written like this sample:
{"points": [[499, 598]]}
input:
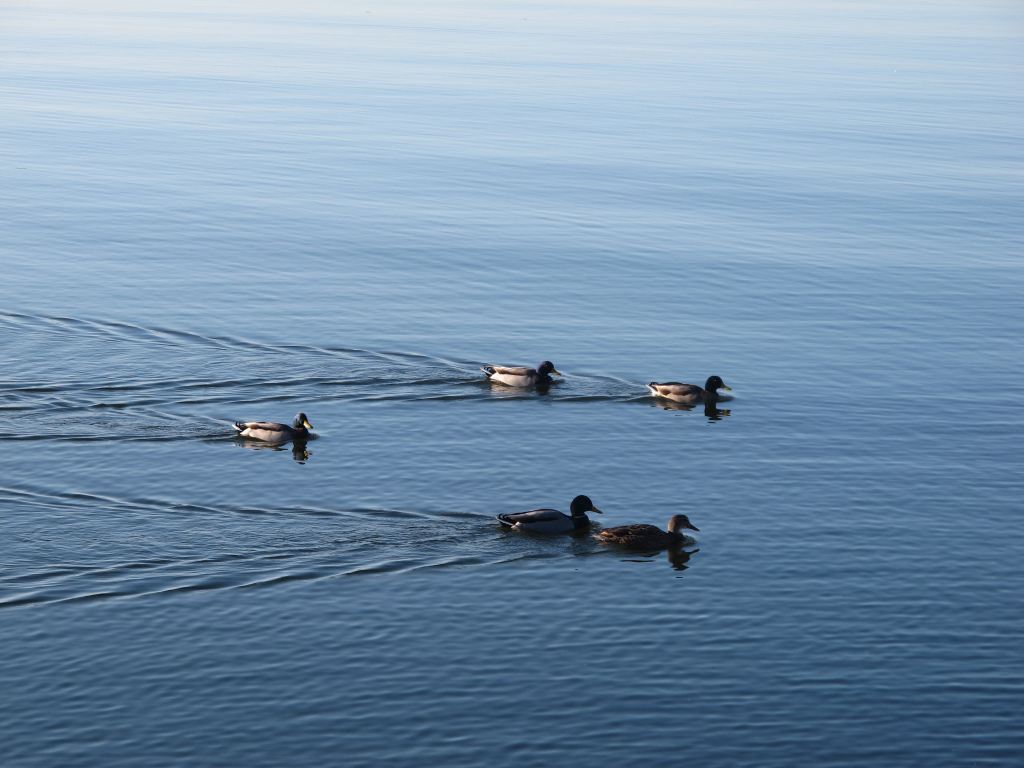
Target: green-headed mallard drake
{"points": [[520, 376], [551, 520], [689, 393], [273, 432], [643, 536]]}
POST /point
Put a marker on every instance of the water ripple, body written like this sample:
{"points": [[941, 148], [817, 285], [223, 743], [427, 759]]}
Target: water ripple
{"points": [[137, 406]]}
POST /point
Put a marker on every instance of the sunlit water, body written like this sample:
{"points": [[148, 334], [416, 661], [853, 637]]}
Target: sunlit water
{"points": [[223, 212]]}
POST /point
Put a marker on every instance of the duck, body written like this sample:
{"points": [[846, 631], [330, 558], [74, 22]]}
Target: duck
{"points": [[643, 536], [274, 432], [551, 520], [520, 375], [689, 393]]}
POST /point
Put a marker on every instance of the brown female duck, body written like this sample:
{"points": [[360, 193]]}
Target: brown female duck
{"points": [[643, 536]]}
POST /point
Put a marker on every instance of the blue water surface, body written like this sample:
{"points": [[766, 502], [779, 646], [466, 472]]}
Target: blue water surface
{"points": [[219, 211]]}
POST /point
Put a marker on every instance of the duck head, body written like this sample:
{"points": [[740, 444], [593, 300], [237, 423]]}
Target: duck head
{"points": [[581, 505], [301, 422], [547, 367], [714, 383], [677, 523]]}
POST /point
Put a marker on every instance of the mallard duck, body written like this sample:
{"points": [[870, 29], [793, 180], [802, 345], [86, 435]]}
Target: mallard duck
{"points": [[520, 376], [643, 536], [273, 432], [689, 393], [551, 520]]}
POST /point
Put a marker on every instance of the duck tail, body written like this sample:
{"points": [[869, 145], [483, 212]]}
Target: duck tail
{"points": [[504, 520], [239, 426], [488, 369], [653, 386]]}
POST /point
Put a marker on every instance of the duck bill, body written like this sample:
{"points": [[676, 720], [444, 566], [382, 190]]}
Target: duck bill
{"points": [[595, 509], [691, 526], [306, 424], [726, 386], [556, 372]]}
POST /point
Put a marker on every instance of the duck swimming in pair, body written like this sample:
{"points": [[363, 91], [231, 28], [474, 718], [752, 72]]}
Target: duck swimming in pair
{"points": [[520, 376], [551, 520], [274, 432], [643, 536], [689, 393]]}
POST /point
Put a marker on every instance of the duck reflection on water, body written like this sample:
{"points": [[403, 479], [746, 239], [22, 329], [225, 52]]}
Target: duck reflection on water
{"points": [[678, 557], [299, 448], [711, 410], [714, 413]]}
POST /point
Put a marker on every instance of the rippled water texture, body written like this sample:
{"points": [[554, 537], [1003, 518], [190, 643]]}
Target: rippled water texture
{"points": [[221, 212]]}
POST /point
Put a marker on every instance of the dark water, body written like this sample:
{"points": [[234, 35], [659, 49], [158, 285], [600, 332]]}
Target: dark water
{"points": [[213, 213]]}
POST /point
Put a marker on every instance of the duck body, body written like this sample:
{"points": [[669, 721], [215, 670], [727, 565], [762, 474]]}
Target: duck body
{"points": [[644, 536], [689, 394], [551, 520], [275, 432], [520, 375]]}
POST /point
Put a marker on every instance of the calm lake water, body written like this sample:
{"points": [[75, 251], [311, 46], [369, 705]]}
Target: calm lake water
{"points": [[223, 211]]}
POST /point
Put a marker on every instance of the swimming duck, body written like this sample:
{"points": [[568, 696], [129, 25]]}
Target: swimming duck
{"points": [[551, 520], [689, 393], [520, 376], [643, 536], [273, 432]]}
